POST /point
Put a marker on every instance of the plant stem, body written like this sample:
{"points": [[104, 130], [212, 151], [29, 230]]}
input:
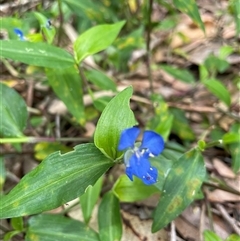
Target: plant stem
{"points": [[224, 188], [42, 139], [149, 29]]}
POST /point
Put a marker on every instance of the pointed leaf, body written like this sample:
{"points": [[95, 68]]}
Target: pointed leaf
{"points": [[57, 180], [191, 9], [95, 40], [48, 227], [109, 218], [131, 191], [180, 74], [100, 79], [89, 199], [38, 54], [182, 183], [13, 112], [211, 236], [116, 117], [67, 85], [219, 90]]}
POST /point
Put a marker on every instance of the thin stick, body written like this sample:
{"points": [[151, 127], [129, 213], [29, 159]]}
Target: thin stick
{"points": [[230, 220], [173, 232]]}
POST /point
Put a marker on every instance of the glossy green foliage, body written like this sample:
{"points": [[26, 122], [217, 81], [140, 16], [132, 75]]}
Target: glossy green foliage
{"points": [[89, 199], [116, 117], [38, 54], [182, 183], [95, 40], [191, 9], [180, 74], [109, 219], [57, 180], [67, 85], [13, 112], [131, 191], [48, 227]]}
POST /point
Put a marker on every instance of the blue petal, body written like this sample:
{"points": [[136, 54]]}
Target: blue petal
{"points": [[141, 168], [151, 176], [19, 33], [153, 142], [129, 173], [128, 138]]}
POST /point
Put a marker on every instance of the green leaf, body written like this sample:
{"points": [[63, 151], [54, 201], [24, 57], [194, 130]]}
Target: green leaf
{"points": [[17, 223], [116, 117], [182, 183], [162, 120], [131, 191], [48, 32], [67, 85], [191, 9], [180, 74], [38, 54], [57, 180], [231, 138], [43, 149], [109, 218], [233, 237], [181, 125], [225, 51], [13, 112], [173, 151], [48, 227], [95, 40], [214, 63], [163, 166], [219, 90], [234, 147], [236, 12], [89, 199], [9, 235], [211, 236], [101, 102], [100, 79]]}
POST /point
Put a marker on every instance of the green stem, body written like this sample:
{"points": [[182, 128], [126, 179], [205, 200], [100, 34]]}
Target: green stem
{"points": [[42, 139], [213, 143], [221, 187], [149, 30]]}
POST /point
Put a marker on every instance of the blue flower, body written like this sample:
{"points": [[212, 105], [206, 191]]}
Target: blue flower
{"points": [[19, 33], [136, 157], [48, 24]]}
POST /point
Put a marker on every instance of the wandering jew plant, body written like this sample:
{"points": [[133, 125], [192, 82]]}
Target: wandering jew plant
{"points": [[136, 158]]}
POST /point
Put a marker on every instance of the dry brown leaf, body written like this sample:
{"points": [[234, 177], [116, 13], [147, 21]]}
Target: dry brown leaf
{"points": [[135, 229], [222, 196], [186, 229], [223, 169]]}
